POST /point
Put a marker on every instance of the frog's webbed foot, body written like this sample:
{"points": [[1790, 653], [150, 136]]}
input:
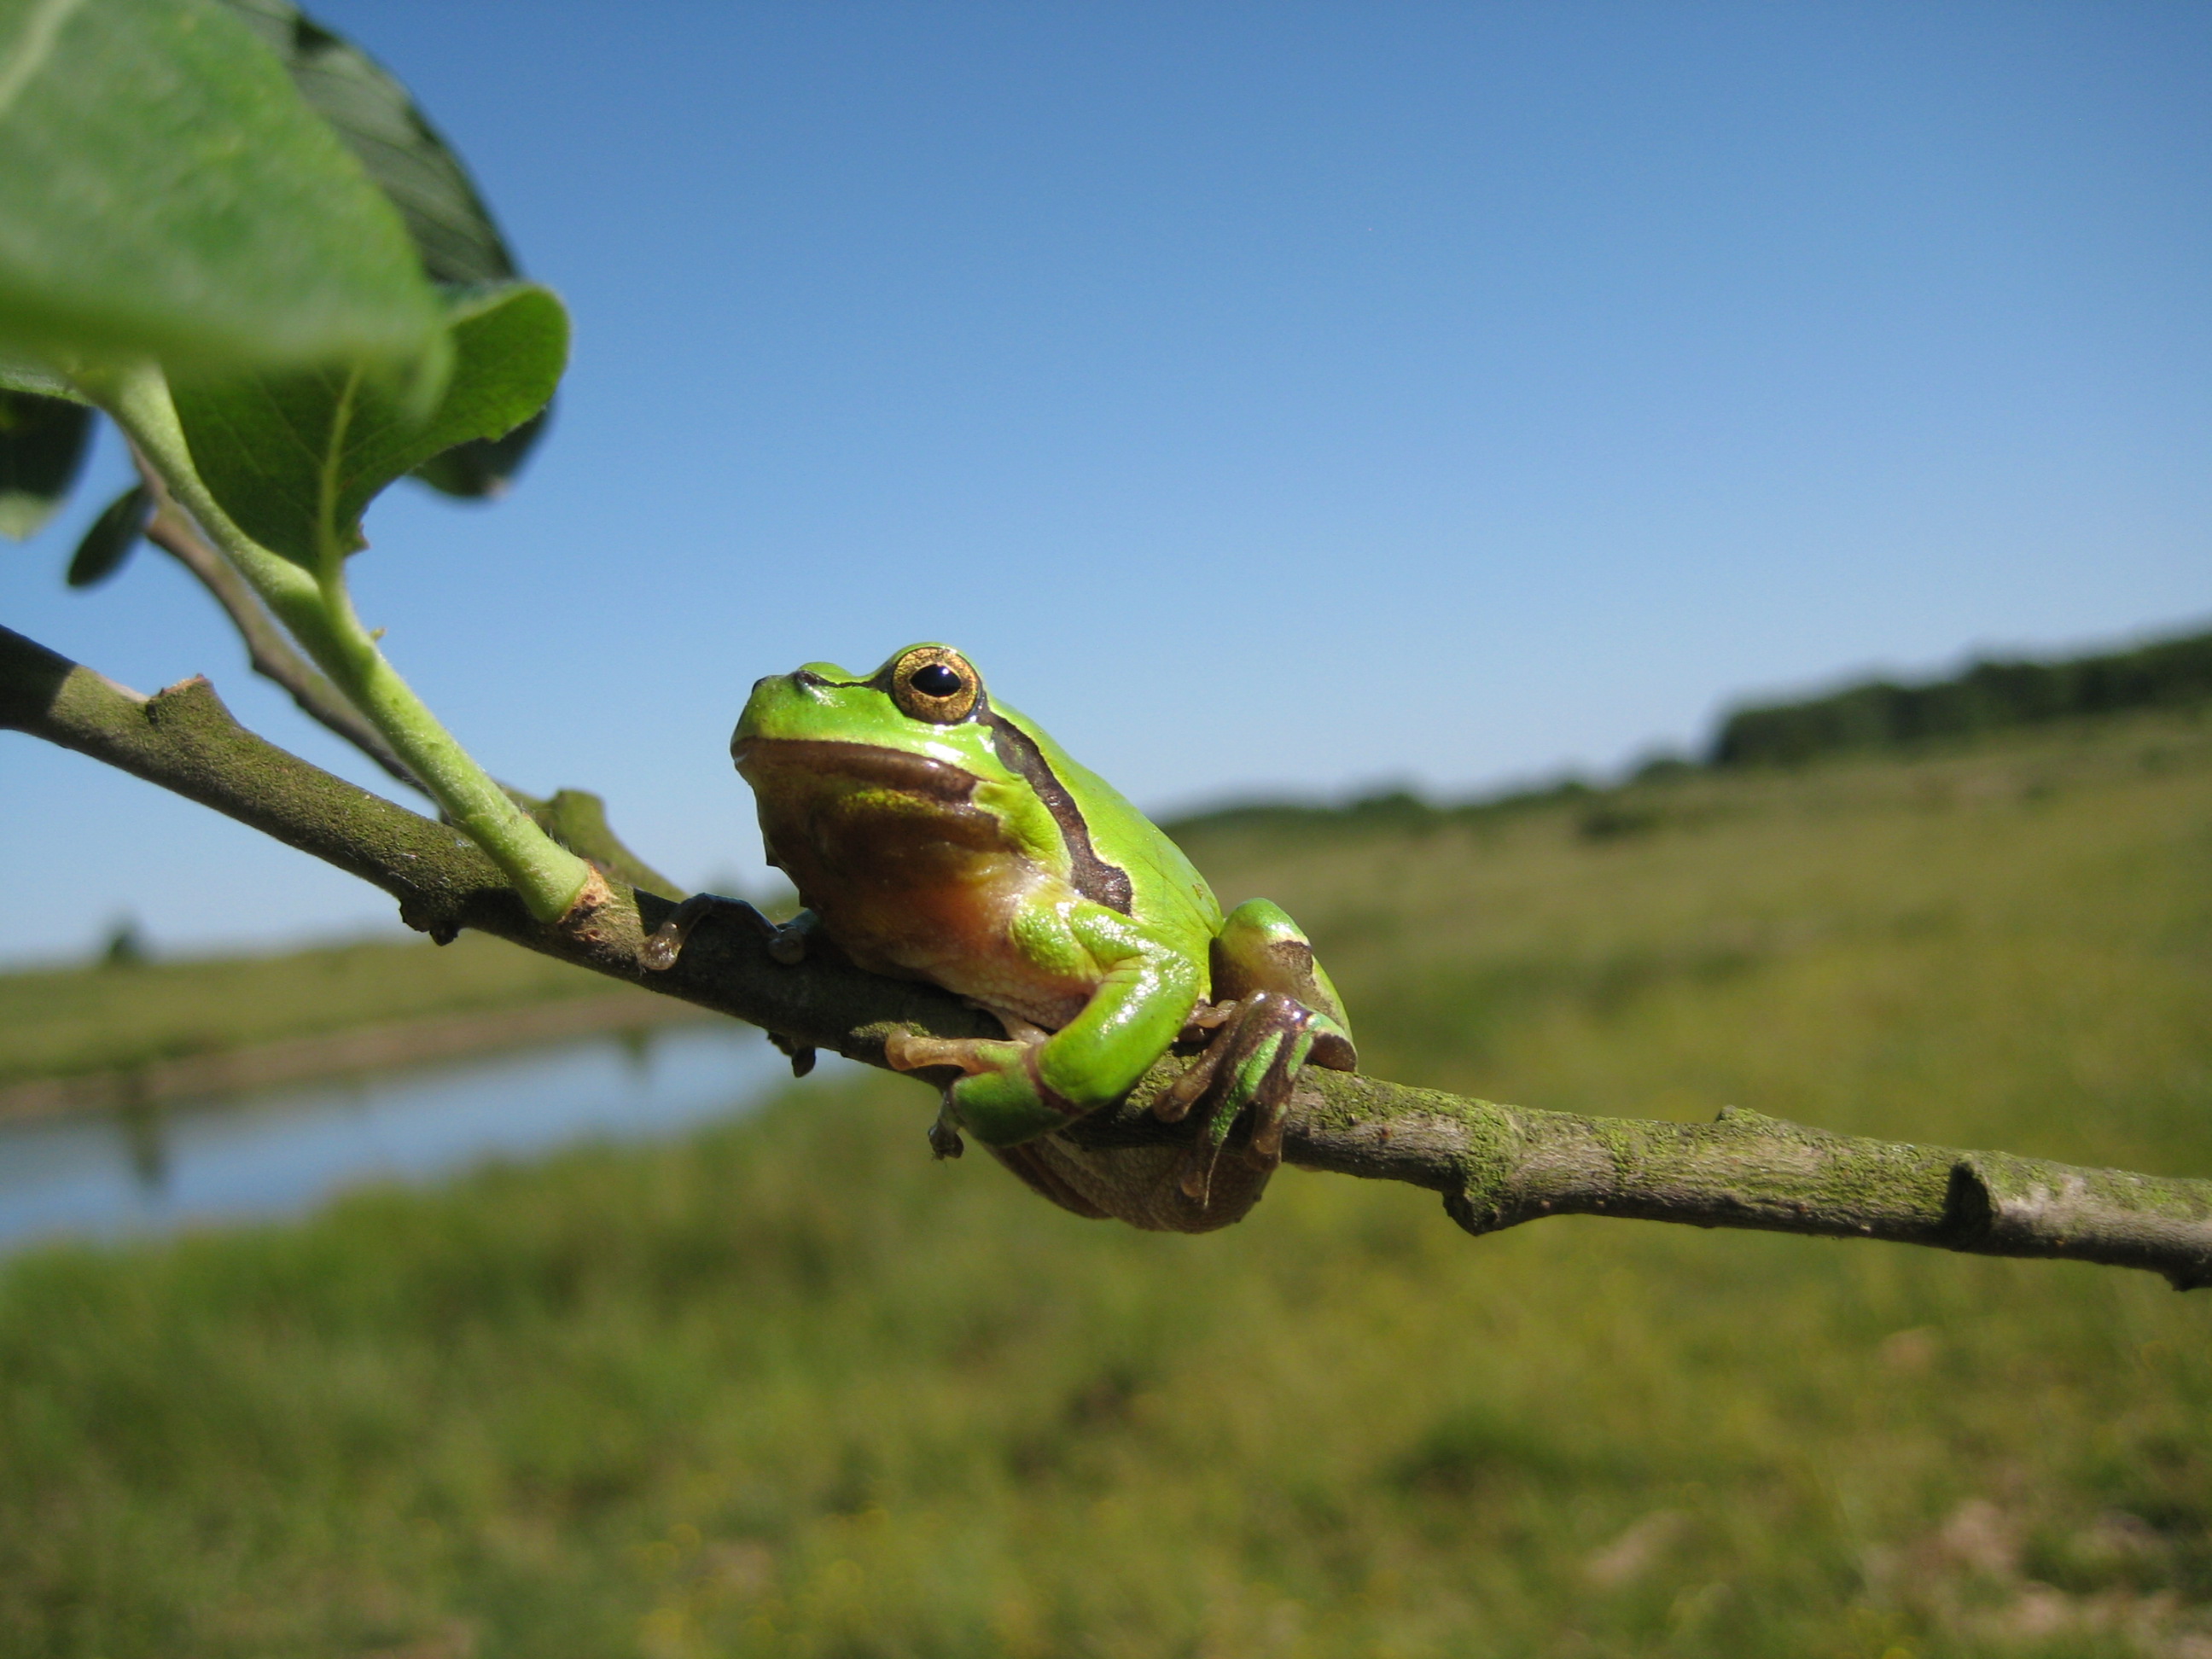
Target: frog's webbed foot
{"points": [[787, 942], [1259, 1043]]}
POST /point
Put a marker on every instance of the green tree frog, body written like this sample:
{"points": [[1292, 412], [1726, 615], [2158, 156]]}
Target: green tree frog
{"points": [[935, 834]]}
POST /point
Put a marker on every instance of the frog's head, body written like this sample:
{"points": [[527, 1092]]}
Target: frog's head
{"points": [[914, 750], [914, 723], [894, 788]]}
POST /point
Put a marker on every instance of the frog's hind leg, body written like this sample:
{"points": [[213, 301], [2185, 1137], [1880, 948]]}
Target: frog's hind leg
{"points": [[1278, 1013], [1038, 1173], [1253, 1061]]}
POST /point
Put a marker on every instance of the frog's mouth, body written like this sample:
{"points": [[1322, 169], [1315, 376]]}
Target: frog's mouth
{"points": [[794, 758]]}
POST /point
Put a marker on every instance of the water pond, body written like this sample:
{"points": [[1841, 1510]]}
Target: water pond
{"points": [[283, 1151]]}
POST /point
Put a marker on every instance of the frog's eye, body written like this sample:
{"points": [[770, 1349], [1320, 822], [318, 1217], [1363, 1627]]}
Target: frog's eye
{"points": [[934, 682]]}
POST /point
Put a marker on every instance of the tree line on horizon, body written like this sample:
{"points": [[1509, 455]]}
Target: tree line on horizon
{"points": [[1988, 694]]}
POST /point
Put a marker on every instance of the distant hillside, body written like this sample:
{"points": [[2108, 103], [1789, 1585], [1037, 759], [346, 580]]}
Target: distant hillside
{"points": [[1987, 698], [1879, 714]]}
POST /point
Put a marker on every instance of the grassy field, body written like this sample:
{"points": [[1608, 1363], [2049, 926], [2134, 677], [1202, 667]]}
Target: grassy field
{"points": [[790, 1389], [68, 1021]]}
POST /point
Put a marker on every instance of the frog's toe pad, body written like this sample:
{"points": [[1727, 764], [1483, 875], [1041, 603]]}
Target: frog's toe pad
{"points": [[1195, 1177], [661, 948]]}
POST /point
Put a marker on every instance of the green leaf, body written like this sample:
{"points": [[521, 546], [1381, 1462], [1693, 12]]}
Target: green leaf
{"points": [[20, 375], [295, 460], [42, 445], [419, 172], [390, 136], [112, 535], [484, 467], [164, 191]]}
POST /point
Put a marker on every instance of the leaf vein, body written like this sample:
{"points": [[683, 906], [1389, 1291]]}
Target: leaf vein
{"points": [[36, 45]]}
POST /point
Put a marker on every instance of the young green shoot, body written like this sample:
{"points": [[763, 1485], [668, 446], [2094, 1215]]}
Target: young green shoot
{"points": [[313, 603]]}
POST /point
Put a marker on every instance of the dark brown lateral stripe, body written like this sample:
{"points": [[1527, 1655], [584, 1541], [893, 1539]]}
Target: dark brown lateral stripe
{"points": [[1095, 880]]}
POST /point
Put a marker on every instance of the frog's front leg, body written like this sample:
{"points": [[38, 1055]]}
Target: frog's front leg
{"points": [[787, 941], [1031, 1083], [904, 1051]]}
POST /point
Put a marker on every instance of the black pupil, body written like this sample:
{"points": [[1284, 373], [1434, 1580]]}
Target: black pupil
{"points": [[935, 681]]}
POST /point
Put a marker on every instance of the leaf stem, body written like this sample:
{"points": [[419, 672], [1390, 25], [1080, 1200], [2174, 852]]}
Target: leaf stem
{"points": [[271, 653], [320, 614]]}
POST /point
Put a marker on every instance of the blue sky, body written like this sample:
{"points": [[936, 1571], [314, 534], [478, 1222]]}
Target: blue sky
{"points": [[1271, 398]]}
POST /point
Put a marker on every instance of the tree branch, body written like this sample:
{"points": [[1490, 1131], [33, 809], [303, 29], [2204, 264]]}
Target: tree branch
{"points": [[574, 817], [272, 655], [1496, 1166], [185, 740]]}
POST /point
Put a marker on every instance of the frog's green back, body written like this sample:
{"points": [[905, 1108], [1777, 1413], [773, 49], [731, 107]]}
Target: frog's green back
{"points": [[1166, 889]]}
